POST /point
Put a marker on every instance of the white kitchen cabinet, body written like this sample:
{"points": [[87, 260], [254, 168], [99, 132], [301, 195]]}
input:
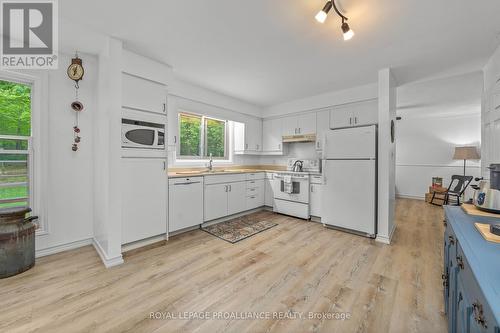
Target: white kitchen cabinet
{"points": [[172, 121], [215, 201], [272, 137], [248, 136], [144, 198], [299, 124], [269, 190], [354, 114], [144, 95], [255, 192], [315, 199], [306, 123], [236, 202], [322, 126], [185, 203]]}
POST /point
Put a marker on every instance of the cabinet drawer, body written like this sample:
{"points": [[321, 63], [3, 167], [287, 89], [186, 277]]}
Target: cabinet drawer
{"points": [[255, 201], [255, 183], [255, 176], [219, 179]]}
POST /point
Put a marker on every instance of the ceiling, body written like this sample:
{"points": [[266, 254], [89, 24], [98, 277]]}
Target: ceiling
{"points": [[271, 51]]}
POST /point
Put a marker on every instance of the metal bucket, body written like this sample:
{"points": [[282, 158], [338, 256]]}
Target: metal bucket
{"points": [[17, 241]]}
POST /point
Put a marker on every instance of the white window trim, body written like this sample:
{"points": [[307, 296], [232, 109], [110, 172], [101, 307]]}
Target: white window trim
{"points": [[38, 172], [227, 159]]}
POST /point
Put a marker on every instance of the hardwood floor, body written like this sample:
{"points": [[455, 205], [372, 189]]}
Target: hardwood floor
{"points": [[295, 268]]}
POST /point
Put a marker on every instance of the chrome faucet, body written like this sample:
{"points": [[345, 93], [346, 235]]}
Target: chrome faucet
{"points": [[210, 163]]}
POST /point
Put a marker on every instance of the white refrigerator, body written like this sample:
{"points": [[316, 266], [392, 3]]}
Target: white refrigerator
{"points": [[349, 199]]}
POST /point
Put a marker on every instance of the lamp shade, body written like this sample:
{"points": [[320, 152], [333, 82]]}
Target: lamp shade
{"points": [[466, 153]]}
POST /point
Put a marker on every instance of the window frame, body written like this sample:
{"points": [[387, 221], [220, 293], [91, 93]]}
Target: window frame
{"points": [[203, 138], [37, 159]]}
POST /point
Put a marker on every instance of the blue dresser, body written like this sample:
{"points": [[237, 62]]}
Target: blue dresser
{"points": [[471, 276]]}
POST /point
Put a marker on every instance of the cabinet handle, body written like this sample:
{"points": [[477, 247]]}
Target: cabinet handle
{"points": [[444, 277], [452, 239], [350, 120], [477, 310], [164, 165], [312, 188], [230, 188], [317, 144], [460, 262], [300, 130], [175, 138], [164, 107], [445, 223], [225, 188], [355, 120]]}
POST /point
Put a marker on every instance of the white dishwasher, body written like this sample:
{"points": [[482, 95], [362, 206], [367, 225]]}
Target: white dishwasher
{"points": [[185, 203]]}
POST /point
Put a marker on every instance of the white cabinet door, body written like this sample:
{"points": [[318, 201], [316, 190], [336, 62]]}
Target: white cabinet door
{"points": [[315, 199], [215, 199], [144, 199], [341, 116], [272, 135], [142, 94], [365, 113], [289, 125], [253, 135], [185, 203], [172, 121], [306, 123], [269, 192], [322, 126], [236, 201]]}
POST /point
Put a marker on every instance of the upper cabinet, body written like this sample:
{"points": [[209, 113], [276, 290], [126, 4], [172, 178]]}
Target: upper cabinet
{"points": [[299, 124], [272, 139], [354, 114], [248, 136], [143, 95], [322, 126]]}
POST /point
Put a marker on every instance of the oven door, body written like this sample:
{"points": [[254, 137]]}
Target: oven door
{"points": [[139, 136], [297, 191]]}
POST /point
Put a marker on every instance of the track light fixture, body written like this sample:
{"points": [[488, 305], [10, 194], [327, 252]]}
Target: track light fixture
{"points": [[322, 14]]}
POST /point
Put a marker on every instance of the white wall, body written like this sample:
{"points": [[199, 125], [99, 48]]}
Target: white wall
{"points": [[184, 96], [68, 193], [437, 115]]}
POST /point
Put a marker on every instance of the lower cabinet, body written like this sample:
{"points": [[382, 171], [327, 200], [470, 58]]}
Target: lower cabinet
{"points": [[216, 202], [269, 191], [144, 198], [315, 199], [232, 194], [465, 305], [236, 198]]}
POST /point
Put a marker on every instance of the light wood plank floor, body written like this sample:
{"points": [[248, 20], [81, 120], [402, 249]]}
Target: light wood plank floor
{"points": [[295, 268]]}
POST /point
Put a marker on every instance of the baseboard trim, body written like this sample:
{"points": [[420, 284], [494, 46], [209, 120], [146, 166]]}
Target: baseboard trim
{"points": [[108, 262], [144, 242], [385, 239], [61, 248], [404, 196]]}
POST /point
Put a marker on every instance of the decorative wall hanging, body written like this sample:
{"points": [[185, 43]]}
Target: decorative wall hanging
{"points": [[75, 73]]}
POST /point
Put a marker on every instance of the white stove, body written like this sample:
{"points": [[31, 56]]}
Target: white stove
{"points": [[291, 188]]}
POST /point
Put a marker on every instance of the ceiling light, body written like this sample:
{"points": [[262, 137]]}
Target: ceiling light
{"points": [[348, 33], [322, 14]]}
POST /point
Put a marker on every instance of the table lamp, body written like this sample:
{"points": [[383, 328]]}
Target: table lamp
{"points": [[466, 153]]}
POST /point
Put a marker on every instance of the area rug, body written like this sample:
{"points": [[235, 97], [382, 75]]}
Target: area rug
{"points": [[238, 229]]}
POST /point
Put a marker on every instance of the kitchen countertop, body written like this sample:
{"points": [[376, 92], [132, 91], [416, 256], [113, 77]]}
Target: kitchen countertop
{"points": [[196, 172]]}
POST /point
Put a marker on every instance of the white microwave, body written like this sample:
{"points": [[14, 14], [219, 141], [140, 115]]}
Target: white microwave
{"points": [[142, 134]]}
